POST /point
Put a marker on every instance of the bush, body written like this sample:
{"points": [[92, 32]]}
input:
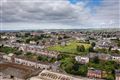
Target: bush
{"points": [[81, 48]]}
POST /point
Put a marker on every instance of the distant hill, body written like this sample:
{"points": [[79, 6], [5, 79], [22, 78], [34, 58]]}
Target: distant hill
{"points": [[57, 30]]}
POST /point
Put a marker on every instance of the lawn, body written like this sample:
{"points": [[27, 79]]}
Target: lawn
{"points": [[70, 48]]}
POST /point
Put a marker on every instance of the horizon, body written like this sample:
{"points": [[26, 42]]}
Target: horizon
{"points": [[87, 29]]}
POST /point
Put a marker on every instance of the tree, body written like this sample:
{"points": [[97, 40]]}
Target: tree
{"points": [[91, 49], [115, 51], [18, 52], [118, 44], [93, 44], [96, 60], [68, 67], [83, 70], [79, 69], [110, 48], [81, 48], [110, 77], [27, 34], [28, 53], [67, 64], [65, 36], [27, 40], [7, 50], [59, 38], [42, 58]]}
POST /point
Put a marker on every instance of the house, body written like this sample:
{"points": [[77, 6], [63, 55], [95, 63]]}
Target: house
{"points": [[33, 42], [38, 50], [92, 55], [55, 66], [1, 54], [117, 74], [8, 57], [94, 73], [4, 37], [31, 63], [105, 43], [104, 74], [30, 48], [103, 56], [116, 57], [63, 43], [115, 48], [82, 60]]}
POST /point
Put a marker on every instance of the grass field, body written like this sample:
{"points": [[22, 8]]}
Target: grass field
{"points": [[70, 48]]}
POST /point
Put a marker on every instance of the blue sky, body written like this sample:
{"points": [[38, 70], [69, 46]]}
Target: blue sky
{"points": [[91, 3], [40, 14]]}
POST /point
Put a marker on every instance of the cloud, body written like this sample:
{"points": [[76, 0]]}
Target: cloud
{"points": [[41, 11], [60, 12], [108, 13]]}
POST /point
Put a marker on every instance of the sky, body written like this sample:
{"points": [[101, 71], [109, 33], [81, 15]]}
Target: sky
{"points": [[59, 14]]}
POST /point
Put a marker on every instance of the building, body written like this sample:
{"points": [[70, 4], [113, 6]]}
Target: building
{"points": [[117, 74], [30, 48], [38, 50], [82, 60], [4, 37], [33, 42], [103, 56], [92, 55], [55, 66], [105, 43], [93, 73], [31, 63], [50, 75], [116, 57], [8, 57], [10, 71]]}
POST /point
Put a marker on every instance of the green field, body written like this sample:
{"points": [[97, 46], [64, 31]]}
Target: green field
{"points": [[70, 48]]}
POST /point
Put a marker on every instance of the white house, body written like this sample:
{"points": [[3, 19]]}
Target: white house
{"points": [[32, 42], [82, 60]]}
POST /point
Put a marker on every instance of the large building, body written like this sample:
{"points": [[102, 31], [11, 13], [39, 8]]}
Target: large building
{"points": [[49, 75], [10, 71]]}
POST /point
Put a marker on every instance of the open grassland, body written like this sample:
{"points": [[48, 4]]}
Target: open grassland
{"points": [[70, 47]]}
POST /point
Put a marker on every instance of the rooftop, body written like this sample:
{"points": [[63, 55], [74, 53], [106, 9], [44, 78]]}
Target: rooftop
{"points": [[16, 70]]}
